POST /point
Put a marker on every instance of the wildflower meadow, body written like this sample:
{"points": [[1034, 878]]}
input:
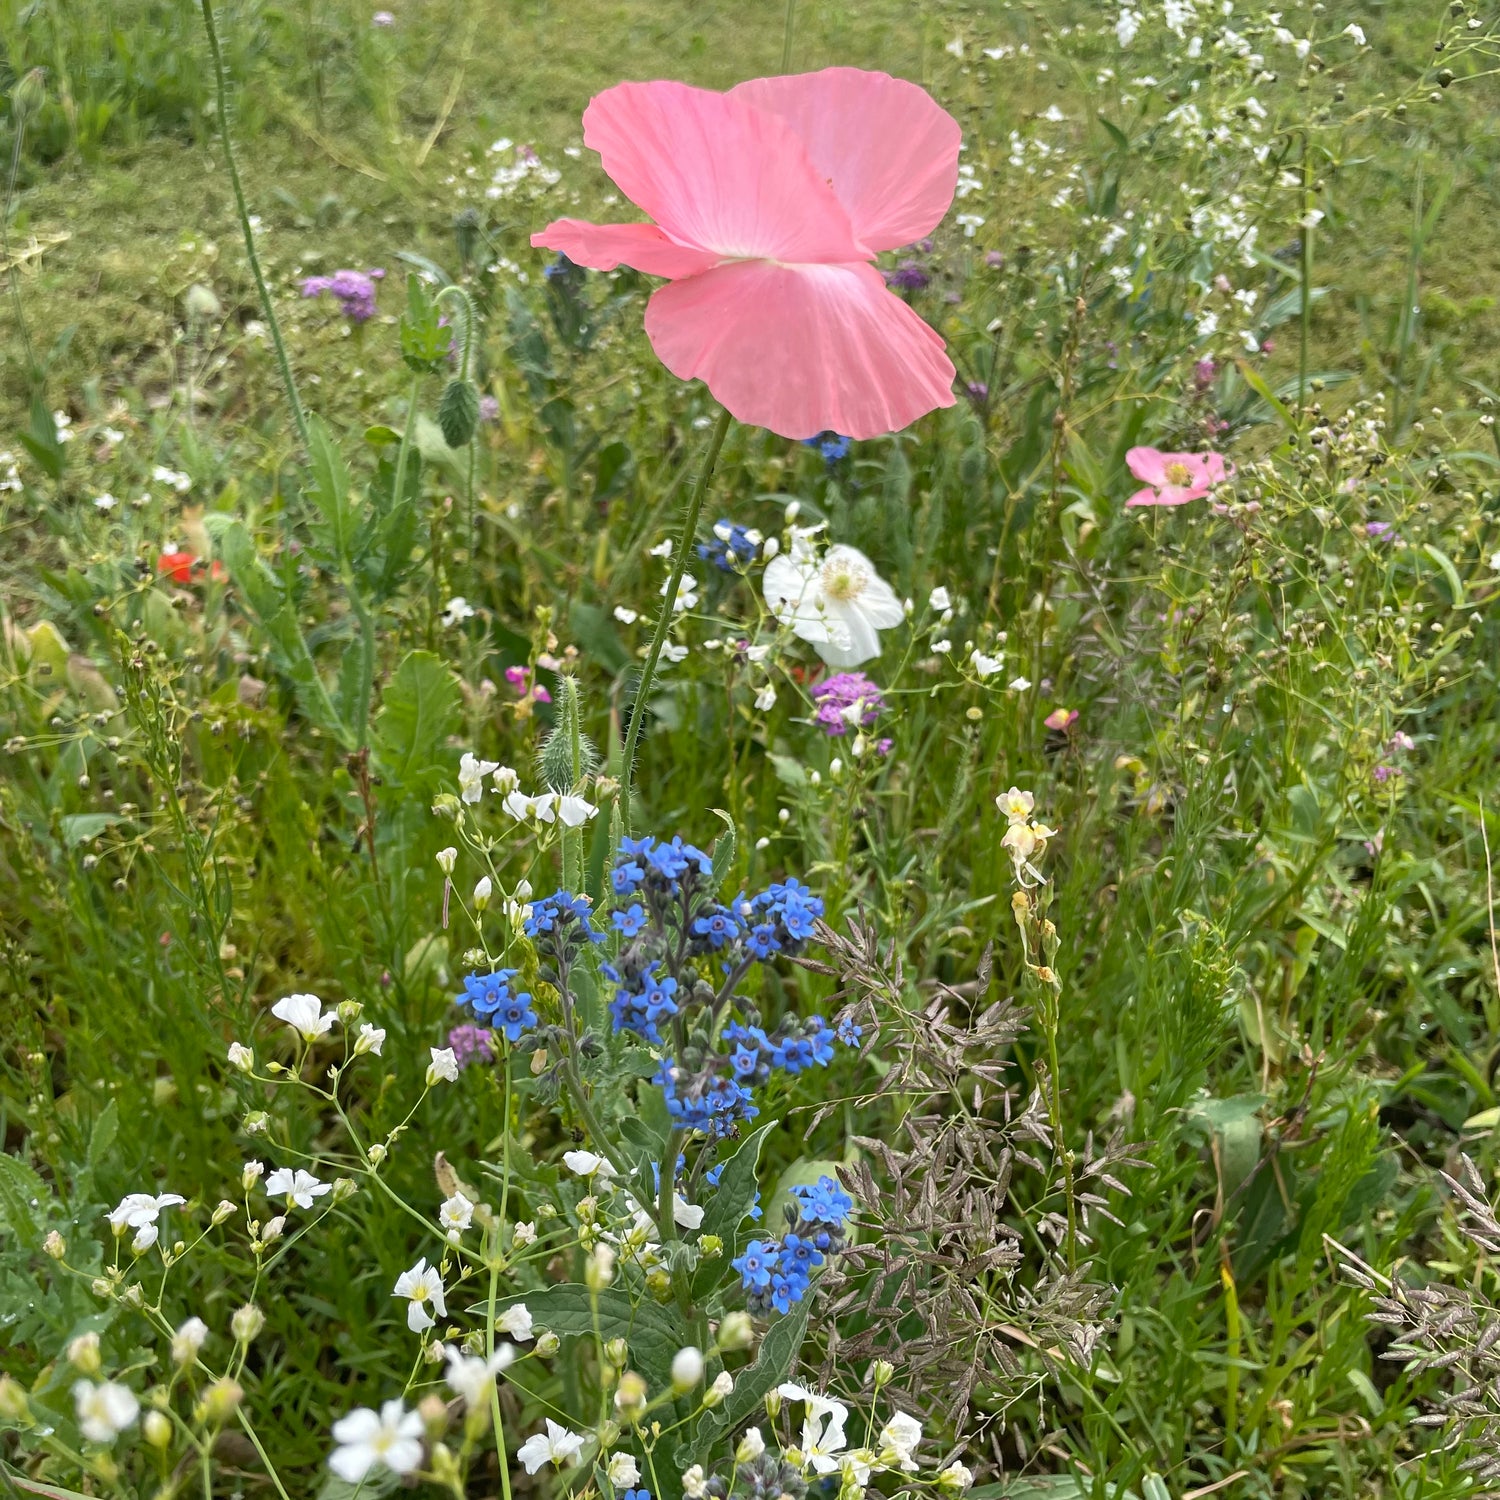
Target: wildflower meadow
{"points": [[750, 751]]}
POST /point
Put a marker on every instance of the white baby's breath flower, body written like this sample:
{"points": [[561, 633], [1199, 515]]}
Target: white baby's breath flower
{"points": [[985, 666], [446, 859], [471, 774], [420, 1285], [623, 1471], [305, 1015], [455, 1215], [557, 1446], [370, 1039], [105, 1409], [241, 1057], [1020, 684], [444, 1066], [390, 1439], [586, 1164], [299, 1187], [472, 1376], [939, 600], [523, 1234], [145, 1238], [136, 1210], [515, 1322], [672, 652], [188, 1340], [626, 616]]}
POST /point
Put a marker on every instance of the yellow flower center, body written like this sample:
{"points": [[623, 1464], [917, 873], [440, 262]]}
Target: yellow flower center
{"points": [[843, 580], [1179, 473]]}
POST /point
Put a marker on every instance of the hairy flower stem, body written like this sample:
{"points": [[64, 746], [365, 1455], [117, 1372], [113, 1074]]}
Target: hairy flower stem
{"points": [[221, 96], [13, 270], [668, 609]]}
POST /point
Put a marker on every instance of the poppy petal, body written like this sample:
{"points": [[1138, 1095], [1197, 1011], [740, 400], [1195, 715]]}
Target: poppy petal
{"points": [[888, 150], [802, 349], [716, 172], [602, 247]]}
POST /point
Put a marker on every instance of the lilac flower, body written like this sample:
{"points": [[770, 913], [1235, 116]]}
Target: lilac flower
{"points": [[355, 291], [847, 698]]}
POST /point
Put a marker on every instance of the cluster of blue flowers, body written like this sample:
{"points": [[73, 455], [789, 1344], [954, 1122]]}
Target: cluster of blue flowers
{"points": [[496, 1004], [670, 919], [832, 445], [732, 548], [776, 1274]]}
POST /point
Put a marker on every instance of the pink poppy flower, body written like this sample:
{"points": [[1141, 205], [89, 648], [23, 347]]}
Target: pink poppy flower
{"points": [[771, 202], [1174, 478]]}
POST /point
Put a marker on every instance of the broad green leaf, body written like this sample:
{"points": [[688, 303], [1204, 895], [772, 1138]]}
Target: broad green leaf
{"points": [[80, 828], [22, 1194], [330, 487], [418, 712], [773, 1363]]}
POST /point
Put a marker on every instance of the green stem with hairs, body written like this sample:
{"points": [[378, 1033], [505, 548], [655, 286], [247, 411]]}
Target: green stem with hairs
{"points": [[668, 609], [221, 95]]}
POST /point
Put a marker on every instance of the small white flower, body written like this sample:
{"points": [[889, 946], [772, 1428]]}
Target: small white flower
{"points": [[505, 780], [444, 1066], [752, 1445], [482, 889], [765, 699], [723, 1385], [585, 1164], [1016, 805], [626, 616], [556, 1446], [273, 1229], [251, 1173], [472, 1376], [985, 666], [523, 1234], [939, 600], [419, 1286], [300, 1187], [471, 774], [178, 481], [942, 647], [687, 1368], [1020, 684], [672, 652], [188, 1340], [136, 1210], [539, 809], [305, 1015], [623, 1471], [104, 1410], [684, 1214], [1357, 32], [955, 1479], [241, 1057], [456, 1214], [687, 593], [446, 859], [1312, 218], [898, 1441], [105, 502], [458, 609], [662, 549], [390, 1438], [145, 1238], [572, 811], [516, 1322], [370, 1039], [694, 1480]]}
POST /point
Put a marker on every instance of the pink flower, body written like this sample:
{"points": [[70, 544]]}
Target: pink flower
{"points": [[1174, 478], [1061, 718], [771, 202]]}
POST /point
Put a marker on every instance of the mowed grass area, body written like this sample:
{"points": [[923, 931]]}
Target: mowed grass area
{"points": [[348, 140]]}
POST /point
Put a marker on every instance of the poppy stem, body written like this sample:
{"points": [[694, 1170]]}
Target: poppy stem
{"points": [[669, 608]]}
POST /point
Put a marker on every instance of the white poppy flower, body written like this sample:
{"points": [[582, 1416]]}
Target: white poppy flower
{"points": [[419, 1286], [838, 605], [305, 1015], [104, 1410], [557, 1446], [390, 1438]]}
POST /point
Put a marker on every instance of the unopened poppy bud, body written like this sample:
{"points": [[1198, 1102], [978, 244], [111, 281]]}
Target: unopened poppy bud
{"points": [[28, 96]]}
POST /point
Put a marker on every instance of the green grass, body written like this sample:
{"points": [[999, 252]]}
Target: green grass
{"points": [[1273, 967]]}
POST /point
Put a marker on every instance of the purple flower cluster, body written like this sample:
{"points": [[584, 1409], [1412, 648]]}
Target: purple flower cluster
{"points": [[470, 1044], [354, 291], [844, 699]]}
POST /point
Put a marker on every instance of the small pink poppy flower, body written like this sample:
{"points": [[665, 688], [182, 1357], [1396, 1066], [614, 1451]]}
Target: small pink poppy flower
{"points": [[1174, 478], [1061, 718], [771, 202]]}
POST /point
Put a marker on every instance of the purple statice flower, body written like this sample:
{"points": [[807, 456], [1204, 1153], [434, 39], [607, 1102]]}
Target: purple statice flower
{"points": [[909, 276], [354, 290], [844, 699], [471, 1044]]}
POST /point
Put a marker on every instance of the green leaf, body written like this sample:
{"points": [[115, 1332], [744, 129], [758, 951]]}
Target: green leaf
{"points": [[22, 1193], [458, 412], [652, 1333], [330, 487], [725, 1211], [80, 828], [1455, 584], [418, 712], [773, 1363], [724, 849]]}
